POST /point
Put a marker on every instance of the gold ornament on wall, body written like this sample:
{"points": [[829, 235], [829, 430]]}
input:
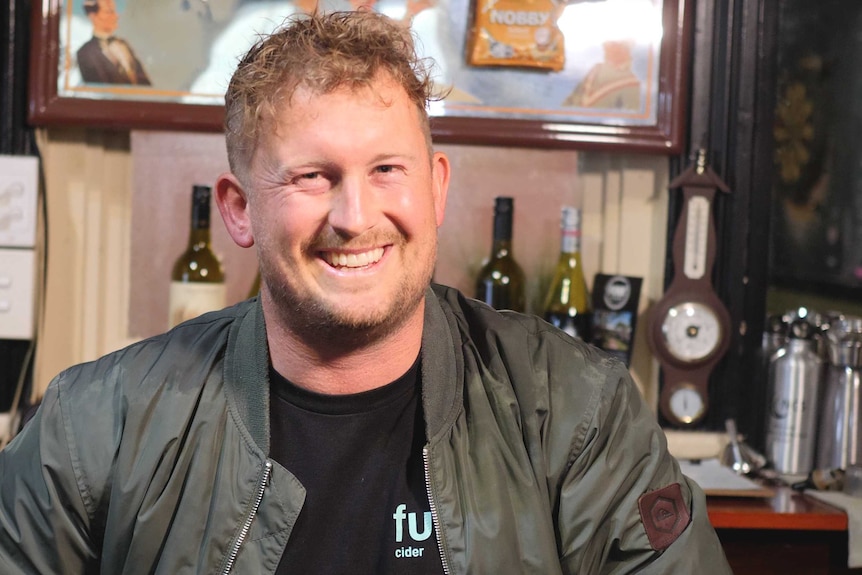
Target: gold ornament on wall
{"points": [[793, 132]]}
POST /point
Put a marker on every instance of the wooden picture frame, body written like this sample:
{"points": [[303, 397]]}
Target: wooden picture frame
{"points": [[664, 101]]}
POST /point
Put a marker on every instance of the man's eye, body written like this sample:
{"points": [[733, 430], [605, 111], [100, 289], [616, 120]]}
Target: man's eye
{"points": [[309, 181], [385, 169], [310, 178]]}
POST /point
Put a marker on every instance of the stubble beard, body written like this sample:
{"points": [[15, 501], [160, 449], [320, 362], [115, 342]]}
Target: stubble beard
{"points": [[332, 331]]}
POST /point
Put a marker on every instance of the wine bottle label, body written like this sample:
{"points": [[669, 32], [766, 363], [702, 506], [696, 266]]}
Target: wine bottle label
{"points": [[191, 299]]}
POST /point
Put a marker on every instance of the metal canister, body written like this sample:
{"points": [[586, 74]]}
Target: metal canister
{"points": [[840, 436], [774, 336], [795, 375]]}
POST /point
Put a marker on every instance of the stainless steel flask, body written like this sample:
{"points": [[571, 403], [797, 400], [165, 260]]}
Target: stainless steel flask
{"points": [[840, 434], [795, 375], [774, 336]]}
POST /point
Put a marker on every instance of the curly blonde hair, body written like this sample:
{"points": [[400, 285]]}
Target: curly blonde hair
{"points": [[321, 52]]}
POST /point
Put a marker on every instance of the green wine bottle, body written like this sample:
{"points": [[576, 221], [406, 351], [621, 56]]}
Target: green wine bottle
{"points": [[567, 303], [501, 281], [197, 279]]}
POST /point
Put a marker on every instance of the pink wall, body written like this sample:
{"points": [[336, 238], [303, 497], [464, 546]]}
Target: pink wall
{"points": [[167, 164]]}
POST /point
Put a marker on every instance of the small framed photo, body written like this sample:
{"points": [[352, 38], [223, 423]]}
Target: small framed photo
{"points": [[615, 313]]}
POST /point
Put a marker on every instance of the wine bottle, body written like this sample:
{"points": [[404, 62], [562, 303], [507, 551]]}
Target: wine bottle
{"points": [[501, 281], [567, 303], [197, 280]]}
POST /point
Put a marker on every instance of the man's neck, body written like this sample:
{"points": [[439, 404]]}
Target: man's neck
{"points": [[331, 371]]}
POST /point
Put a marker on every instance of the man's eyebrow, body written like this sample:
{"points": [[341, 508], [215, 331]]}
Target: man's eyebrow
{"points": [[389, 156], [295, 167]]}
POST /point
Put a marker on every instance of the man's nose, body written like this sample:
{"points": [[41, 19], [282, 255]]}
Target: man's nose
{"points": [[354, 207]]}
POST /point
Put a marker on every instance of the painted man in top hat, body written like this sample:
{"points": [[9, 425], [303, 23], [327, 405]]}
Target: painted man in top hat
{"points": [[106, 59]]}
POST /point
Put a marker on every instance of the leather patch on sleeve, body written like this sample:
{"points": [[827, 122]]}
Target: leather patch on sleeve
{"points": [[664, 515]]}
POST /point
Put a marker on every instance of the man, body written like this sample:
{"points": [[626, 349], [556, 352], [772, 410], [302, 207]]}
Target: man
{"points": [[353, 418], [104, 58], [611, 83]]}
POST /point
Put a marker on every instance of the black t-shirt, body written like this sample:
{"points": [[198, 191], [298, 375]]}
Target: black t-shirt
{"points": [[359, 457]]}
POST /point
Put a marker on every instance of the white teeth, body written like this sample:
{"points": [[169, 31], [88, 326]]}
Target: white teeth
{"points": [[353, 260]]}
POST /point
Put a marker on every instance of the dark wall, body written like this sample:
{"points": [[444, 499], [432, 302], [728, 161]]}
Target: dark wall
{"points": [[16, 138], [731, 116]]}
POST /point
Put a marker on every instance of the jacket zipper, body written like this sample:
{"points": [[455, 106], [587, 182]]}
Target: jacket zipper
{"points": [[434, 517], [246, 526]]}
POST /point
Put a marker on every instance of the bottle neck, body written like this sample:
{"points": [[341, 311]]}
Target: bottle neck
{"points": [[199, 234], [570, 242], [501, 249], [199, 238], [502, 245]]}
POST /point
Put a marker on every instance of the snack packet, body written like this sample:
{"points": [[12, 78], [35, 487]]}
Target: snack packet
{"points": [[520, 33]]}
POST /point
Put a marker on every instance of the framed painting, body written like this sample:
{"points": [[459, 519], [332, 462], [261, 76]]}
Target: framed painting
{"points": [[816, 211], [620, 82]]}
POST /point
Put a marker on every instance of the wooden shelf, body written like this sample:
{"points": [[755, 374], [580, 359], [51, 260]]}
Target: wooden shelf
{"points": [[785, 534], [785, 510]]}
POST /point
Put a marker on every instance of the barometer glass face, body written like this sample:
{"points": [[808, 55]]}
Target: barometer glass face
{"points": [[691, 331], [686, 404]]}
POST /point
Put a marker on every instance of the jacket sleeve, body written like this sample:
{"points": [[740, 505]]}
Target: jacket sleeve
{"points": [[43, 517], [620, 454]]}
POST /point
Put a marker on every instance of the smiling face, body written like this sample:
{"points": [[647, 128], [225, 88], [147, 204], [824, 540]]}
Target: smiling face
{"points": [[344, 202]]}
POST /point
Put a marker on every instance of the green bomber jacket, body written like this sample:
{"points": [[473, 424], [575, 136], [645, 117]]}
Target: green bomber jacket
{"points": [[154, 458]]}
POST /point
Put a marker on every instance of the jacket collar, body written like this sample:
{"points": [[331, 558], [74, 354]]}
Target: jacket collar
{"points": [[247, 369], [442, 364], [247, 373]]}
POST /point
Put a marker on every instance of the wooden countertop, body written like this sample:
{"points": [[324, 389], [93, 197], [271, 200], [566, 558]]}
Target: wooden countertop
{"points": [[785, 510]]}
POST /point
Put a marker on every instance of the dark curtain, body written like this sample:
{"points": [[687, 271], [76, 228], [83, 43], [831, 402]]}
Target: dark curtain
{"points": [[15, 136]]}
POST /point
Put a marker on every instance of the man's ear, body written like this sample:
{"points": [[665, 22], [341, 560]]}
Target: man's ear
{"points": [[440, 171], [232, 203]]}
